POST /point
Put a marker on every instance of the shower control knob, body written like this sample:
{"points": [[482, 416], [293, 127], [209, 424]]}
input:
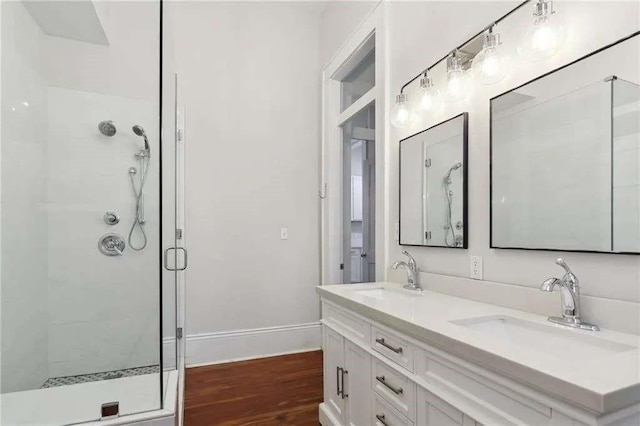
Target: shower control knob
{"points": [[111, 245], [111, 218]]}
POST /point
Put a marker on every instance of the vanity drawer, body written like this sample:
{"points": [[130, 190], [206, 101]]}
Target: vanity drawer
{"points": [[435, 411], [385, 415], [355, 328], [494, 399], [393, 347], [395, 388]]}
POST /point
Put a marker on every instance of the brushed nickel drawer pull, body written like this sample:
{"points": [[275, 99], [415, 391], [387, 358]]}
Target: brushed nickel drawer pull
{"points": [[393, 389], [388, 346], [381, 419]]}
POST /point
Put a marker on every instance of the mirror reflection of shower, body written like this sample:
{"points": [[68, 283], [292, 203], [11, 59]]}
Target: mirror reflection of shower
{"points": [[451, 239], [144, 157]]}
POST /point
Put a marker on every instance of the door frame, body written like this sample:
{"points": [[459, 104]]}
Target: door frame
{"points": [[331, 210]]}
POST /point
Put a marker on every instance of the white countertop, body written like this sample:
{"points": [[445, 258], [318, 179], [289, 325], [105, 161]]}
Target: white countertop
{"points": [[601, 383]]}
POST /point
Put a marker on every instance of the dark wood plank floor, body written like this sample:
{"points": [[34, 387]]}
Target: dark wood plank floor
{"points": [[282, 390]]}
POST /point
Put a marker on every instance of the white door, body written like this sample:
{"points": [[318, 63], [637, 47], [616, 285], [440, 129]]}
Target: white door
{"points": [[333, 373], [357, 387], [369, 213]]}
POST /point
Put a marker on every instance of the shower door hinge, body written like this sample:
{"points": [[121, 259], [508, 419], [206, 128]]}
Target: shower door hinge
{"points": [[427, 235], [179, 332], [427, 162], [179, 233], [179, 135]]}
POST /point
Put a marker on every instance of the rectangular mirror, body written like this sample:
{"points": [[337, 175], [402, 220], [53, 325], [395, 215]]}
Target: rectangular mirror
{"points": [[433, 186], [565, 157]]}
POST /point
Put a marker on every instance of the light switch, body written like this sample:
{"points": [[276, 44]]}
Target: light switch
{"points": [[284, 233], [396, 233], [475, 267]]}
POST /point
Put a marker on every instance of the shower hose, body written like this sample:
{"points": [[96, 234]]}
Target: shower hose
{"points": [[137, 221]]}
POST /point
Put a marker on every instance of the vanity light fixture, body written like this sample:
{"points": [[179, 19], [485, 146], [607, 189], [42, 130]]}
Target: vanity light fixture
{"points": [[458, 82], [490, 65], [429, 99], [401, 113], [545, 38]]}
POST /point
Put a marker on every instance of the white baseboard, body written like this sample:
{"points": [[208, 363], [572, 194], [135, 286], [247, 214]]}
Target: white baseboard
{"points": [[229, 346]]}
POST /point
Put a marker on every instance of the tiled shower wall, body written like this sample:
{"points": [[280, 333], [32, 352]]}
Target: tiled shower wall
{"points": [[103, 311], [66, 309], [24, 221]]}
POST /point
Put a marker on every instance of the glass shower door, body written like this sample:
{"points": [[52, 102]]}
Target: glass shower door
{"points": [[82, 200]]}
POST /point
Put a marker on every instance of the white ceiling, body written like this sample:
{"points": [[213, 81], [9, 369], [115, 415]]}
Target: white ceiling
{"points": [[76, 19]]}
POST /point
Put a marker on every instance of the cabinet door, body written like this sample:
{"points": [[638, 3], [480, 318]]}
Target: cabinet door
{"points": [[357, 387], [433, 411], [333, 365]]}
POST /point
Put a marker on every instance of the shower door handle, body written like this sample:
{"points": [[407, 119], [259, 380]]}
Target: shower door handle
{"points": [[175, 268]]}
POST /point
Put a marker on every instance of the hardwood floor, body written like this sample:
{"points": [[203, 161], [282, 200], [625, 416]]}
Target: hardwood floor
{"points": [[282, 390]]}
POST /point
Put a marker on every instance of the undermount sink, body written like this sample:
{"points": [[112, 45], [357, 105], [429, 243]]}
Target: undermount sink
{"points": [[376, 293], [380, 293], [552, 340]]}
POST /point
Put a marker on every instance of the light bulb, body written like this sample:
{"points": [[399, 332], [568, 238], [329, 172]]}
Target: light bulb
{"points": [[429, 99], [545, 38], [401, 113], [458, 82], [490, 65]]}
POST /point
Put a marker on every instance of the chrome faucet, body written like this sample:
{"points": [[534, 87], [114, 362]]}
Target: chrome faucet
{"points": [[570, 291], [412, 272]]}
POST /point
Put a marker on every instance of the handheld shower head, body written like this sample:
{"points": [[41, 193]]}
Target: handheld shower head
{"points": [[139, 130], [456, 166]]}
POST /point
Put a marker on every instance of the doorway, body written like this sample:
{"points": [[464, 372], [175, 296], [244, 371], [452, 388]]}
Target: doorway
{"points": [[358, 188], [353, 186]]}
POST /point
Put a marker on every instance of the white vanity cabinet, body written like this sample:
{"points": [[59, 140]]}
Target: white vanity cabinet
{"points": [[433, 411], [347, 372], [377, 375]]}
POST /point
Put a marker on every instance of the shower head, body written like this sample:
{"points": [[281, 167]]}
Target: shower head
{"points": [[447, 177], [107, 128], [139, 130]]}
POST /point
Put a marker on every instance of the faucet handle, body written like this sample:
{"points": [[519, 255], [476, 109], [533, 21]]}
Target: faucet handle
{"points": [[560, 262], [412, 262], [569, 277]]}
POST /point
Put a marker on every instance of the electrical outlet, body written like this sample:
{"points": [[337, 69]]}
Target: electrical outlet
{"points": [[396, 234], [475, 268], [284, 233]]}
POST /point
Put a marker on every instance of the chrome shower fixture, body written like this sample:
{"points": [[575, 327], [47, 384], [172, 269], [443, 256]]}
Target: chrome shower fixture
{"points": [[456, 166], [107, 128], [457, 240], [144, 158], [139, 130]]}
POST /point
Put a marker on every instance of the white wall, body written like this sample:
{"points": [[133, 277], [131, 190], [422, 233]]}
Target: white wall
{"points": [[24, 223], [339, 19], [421, 33], [249, 76]]}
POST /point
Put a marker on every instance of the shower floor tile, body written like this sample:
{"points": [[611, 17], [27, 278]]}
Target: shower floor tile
{"points": [[95, 377]]}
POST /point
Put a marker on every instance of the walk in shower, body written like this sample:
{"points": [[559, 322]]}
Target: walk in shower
{"points": [[88, 212]]}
